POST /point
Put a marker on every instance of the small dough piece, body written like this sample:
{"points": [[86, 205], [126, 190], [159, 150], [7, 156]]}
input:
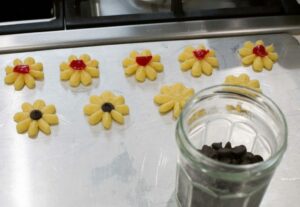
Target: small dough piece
{"points": [[143, 65], [36, 117], [79, 70], [173, 97], [24, 73], [199, 60], [106, 108], [258, 55]]}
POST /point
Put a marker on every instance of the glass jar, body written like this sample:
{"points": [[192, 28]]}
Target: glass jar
{"points": [[221, 114]]}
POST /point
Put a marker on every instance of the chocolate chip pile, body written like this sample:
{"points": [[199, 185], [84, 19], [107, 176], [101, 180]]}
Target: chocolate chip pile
{"points": [[231, 155]]}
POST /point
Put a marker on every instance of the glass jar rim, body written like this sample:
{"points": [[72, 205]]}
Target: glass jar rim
{"points": [[257, 167]]}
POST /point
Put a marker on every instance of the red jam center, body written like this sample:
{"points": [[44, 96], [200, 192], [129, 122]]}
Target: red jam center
{"points": [[260, 50], [21, 69], [77, 65], [143, 60], [200, 54]]}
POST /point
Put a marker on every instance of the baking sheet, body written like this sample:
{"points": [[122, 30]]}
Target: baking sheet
{"points": [[135, 164]]}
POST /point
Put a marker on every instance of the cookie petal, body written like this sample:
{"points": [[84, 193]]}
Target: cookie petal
{"points": [[75, 79], [150, 73], [106, 120], [123, 109], [166, 107], [91, 108], [33, 129], [29, 81], [140, 74], [20, 82], [86, 78], [196, 69], [51, 119], [11, 78], [258, 64], [44, 126], [23, 125], [95, 118], [117, 116]]}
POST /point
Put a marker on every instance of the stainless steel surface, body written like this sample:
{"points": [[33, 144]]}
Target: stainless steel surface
{"points": [[120, 7], [130, 165], [149, 32]]}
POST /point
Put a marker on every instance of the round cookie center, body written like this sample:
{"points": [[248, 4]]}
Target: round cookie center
{"points": [[22, 69], [260, 50], [143, 60], [107, 107], [77, 65], [36, 114], [200, 54]]}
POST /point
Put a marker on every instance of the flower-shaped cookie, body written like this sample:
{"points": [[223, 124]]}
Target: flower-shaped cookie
{"points": [[105, 108], [79, 70], [243, 80], [143, 65], [258, 55], [24, 73], [36, 117], [173, 97], [200, 60]]}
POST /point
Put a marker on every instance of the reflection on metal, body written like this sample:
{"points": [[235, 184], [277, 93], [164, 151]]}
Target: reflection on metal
{"points": [[149, 32]]}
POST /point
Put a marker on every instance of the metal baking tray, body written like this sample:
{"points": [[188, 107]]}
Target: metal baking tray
{"points": [[135, 164]]}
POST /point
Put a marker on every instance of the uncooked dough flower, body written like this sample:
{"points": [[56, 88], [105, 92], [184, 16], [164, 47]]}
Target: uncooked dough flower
{"points": [[173, 97], [143, 65], [199, 60], [36, 117], [258, 55], [79, 70], [105, 108], [243, 80], [24, 73]]}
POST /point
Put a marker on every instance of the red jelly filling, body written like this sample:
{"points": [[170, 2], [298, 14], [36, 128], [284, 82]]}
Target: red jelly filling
{"points": [[143, 60], [77, 65], [22, 69], [200, 54], [260, 50]]}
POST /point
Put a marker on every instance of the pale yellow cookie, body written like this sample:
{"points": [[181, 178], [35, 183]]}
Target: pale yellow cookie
{"points": [[143, 65], [173, 97], [24, 73], [36, 117], [258, 55], [106, 107], [243, 80], [79, 70], [199, 60]]}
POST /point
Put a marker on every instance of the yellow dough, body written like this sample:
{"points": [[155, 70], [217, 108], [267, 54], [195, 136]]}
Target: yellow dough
{"points": [[173, 97], [106, 108], [243, 80], [199, 60], [24, 73], [238, 108], [258, 55], [36, 117], [79, 70], [143, 65]]}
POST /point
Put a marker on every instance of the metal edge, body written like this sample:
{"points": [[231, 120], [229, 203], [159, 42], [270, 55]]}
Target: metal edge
{"points": [[149, 32]]}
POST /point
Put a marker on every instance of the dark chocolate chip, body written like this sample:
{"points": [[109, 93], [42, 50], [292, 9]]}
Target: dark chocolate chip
{"points": [[228, 145], [224, 152], [107, 107], [36, 114], [256, 158], [217, 145], [209, 152], [239, 151], [225, 160]]}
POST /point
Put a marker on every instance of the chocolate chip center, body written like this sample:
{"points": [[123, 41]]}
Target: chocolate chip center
{"points": [[36, 114], [107, 107]]}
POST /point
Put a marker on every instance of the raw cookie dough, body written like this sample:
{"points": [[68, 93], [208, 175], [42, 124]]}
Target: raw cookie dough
{"points": [[24, 73], [173, 97], [36, 117], [79, 70], [243, 80], [199, 60], [258, 55], [143, 65], [106, 108]]}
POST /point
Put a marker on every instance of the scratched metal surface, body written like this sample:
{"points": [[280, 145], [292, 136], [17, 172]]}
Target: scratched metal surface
{"points": [[131, 165]]}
